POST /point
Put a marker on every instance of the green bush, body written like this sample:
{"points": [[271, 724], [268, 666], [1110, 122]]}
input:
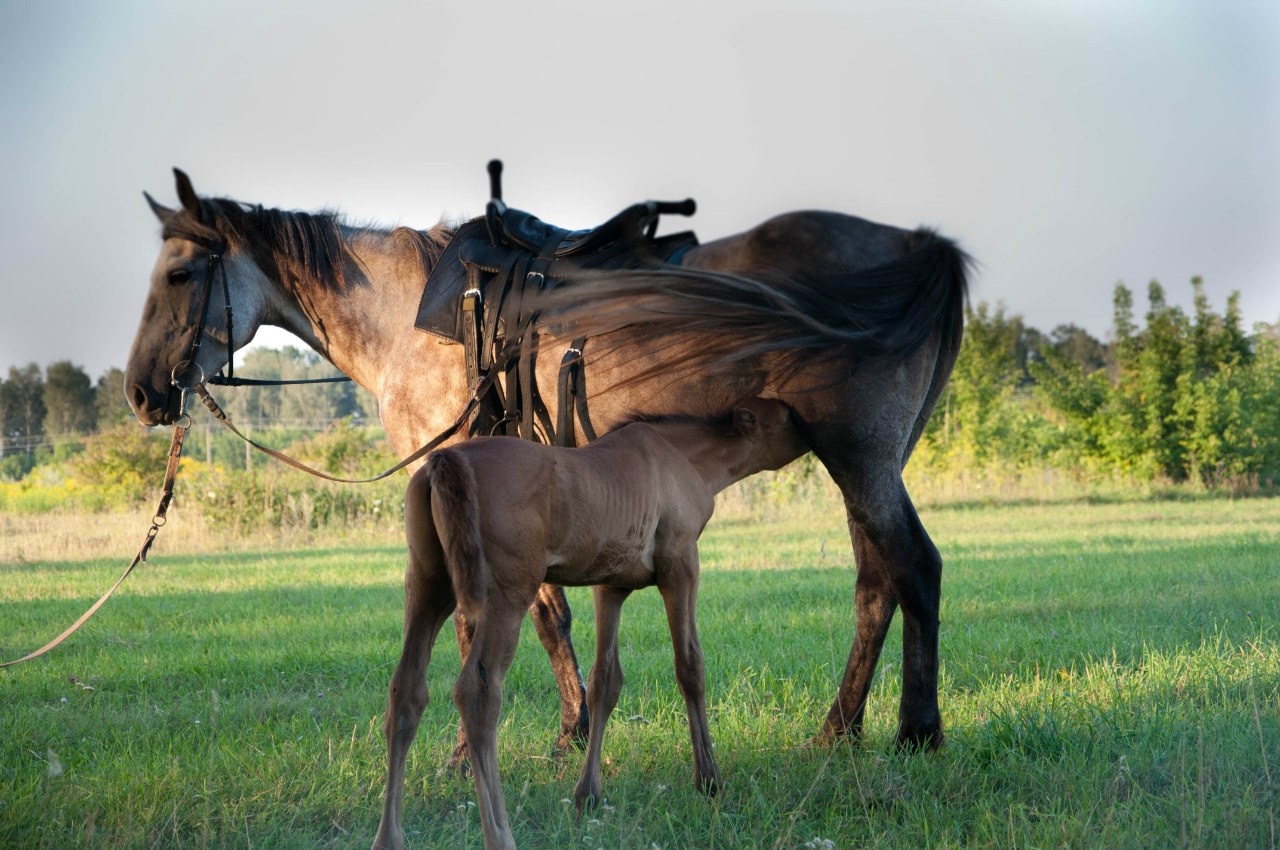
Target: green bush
{"points": [[124, 464]]}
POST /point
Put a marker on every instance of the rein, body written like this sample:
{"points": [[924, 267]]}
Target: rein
{"points": [[157, 522], [469, 408], [183, 424]]}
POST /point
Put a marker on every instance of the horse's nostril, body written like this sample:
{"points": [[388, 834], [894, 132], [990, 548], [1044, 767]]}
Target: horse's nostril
{"points": [[137, 398]]}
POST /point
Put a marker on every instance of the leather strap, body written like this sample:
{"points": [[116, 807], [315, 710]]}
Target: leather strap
{"points": [[157, 521]]}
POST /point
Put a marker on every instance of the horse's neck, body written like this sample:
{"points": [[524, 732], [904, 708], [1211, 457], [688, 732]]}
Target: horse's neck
{"points": [[358, 324]]}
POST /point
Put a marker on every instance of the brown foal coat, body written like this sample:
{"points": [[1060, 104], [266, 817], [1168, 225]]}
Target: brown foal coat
{"points": [[490, 520]]}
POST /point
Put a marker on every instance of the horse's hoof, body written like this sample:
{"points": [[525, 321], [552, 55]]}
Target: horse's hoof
{"points": [[826, 739], [574, 740], [920, 740], [458, 765]]}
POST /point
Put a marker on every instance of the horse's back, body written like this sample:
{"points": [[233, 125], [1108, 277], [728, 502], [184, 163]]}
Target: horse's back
{"points": [[808, 243]]}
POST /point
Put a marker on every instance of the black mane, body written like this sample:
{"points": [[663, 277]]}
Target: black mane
{"points": [[292, 245]]}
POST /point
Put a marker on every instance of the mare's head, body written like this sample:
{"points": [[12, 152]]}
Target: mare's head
{"points": [[772, 431], [203, 267]]}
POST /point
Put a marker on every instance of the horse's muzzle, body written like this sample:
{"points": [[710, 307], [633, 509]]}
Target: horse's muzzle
{"points": [[152, 408]]}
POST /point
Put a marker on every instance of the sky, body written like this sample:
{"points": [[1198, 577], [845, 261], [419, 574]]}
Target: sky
{"points": [[1066, 145]]}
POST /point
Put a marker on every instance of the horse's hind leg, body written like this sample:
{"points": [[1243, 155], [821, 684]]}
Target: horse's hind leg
{"points": [[429, 599], [898, 566], [873, 611]]}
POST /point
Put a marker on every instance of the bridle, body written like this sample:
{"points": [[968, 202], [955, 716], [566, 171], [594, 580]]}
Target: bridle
{"points": [[181, 371], [180, 381], [216, 266]]}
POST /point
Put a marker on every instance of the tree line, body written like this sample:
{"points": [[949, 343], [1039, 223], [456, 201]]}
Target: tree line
{"points": [[49, 413], [1171, 396]]}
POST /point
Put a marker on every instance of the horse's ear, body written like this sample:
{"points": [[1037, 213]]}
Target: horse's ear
{"points": [[162, 212], [187, 194]]}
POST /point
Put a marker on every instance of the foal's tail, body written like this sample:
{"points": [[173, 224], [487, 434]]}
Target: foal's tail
{"points": [[455, 509]]}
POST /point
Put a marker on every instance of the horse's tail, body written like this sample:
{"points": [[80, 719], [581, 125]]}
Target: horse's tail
{"points": [[718, 319], [455, 509], [952, 286]]}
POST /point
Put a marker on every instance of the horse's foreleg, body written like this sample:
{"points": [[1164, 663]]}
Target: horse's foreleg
{"points": [[602, 693], [552, 620], [428, 601], [478, 695], [680, 598]]}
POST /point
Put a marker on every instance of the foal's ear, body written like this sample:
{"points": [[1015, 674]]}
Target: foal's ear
{"points": [[744, 420], [187, 194], [162, 212]]}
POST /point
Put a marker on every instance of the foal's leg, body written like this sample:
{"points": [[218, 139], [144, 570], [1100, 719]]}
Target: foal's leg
{"points": [[552, 620], [679, 589], [478, 695], [460, 758], [428, 601], [603, 690]]}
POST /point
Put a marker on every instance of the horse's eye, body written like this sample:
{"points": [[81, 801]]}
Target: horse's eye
{"points": [[179, 276]]}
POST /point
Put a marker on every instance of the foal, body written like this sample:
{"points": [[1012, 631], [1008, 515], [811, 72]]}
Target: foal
{"points": [[490, 519]]}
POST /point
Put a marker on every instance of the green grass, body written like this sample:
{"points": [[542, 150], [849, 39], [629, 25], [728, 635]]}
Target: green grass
{"points": [[1110, 678]]}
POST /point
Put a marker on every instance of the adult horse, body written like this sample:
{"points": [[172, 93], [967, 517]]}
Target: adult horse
{"points": [[855, 325]]}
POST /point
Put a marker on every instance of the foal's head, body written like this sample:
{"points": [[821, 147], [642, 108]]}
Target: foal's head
{"points": [[771, 429]]}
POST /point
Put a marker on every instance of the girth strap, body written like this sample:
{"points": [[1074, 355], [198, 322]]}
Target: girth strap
{"points": [[572, 395], [476, 295]]}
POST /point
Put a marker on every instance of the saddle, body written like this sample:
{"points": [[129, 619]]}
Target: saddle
{"points": [[476, 292]]}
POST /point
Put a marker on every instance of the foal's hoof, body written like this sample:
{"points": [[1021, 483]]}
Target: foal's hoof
{"points": [[827, 739], [585, 799]]}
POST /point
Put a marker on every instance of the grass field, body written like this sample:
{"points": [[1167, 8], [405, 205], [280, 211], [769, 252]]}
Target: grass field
{"points": [[1110, 678]]}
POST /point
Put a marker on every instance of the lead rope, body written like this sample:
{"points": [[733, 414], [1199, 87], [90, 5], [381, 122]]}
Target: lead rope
{"points": [[467, 410], [157, 522]]}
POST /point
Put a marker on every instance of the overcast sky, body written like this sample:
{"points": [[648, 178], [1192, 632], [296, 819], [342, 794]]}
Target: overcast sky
{"points": [[1066, 145]]}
